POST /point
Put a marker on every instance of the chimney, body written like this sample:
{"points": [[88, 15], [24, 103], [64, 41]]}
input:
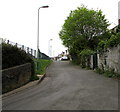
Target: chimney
{"points": [[119, 13]]}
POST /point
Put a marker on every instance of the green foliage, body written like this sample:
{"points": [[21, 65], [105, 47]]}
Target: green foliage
{"points": [[34, 77], [82, 29], [84, 56], [41, 65], [113, 41], [101, 45], [108, 73], [100, 71], [105, 35], [86, 52], [110, 42], [118, 34], [13, 56]]}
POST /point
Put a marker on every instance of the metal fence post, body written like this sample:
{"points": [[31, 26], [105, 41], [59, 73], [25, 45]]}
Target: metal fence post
{"points": [[35, 53], [16, 44], [32, 52], [22, 47], [7, 41], [27, 49]]}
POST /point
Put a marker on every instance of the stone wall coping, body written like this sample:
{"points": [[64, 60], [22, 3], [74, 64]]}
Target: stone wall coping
{"points": [[16, 66]]}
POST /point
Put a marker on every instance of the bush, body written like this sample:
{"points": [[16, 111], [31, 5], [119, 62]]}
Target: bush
{"points": [[13, 56], [108, 73], [100, 71], [85, 57]]}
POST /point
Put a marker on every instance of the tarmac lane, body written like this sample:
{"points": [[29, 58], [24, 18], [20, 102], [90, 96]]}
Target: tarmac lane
{"points": [[67, 87]]}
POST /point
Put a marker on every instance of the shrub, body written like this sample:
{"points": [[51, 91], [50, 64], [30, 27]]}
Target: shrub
{"points": [[85, 57], [13, 56], [108, 73], [113, 41], [100, 71]]}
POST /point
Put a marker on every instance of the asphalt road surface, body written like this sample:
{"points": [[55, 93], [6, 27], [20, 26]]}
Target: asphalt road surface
{"points": [[67, 87]]}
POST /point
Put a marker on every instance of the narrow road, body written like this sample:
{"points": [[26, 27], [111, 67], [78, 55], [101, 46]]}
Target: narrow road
{"points": [[67, 87]]}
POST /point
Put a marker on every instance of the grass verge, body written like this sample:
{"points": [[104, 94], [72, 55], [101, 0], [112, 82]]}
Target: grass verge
{"points": [[41, 65]]}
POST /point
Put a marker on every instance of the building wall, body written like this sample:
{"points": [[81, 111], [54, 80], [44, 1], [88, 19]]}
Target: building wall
{"points": [[15, 77], [110, 59]]}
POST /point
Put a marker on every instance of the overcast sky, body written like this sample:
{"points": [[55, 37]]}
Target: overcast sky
{"points": [[18, 20]]}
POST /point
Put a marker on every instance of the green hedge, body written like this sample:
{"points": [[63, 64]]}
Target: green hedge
{"points": [[13, 56]]}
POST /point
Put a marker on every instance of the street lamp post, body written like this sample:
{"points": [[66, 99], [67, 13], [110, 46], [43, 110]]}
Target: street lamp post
{"points": [[38, 36], [38, 31]]}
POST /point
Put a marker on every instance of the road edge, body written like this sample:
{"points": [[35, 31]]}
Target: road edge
{"points": [[26, 86]]}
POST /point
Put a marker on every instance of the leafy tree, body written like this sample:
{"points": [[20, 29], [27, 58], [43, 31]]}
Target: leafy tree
{"points": [[82, 29]]}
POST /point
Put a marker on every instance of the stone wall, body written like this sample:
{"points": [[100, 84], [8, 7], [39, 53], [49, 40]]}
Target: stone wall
{"points": [[15, 77], [110, 59]]}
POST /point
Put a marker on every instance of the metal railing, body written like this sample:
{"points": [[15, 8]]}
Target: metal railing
{"points": [[28, 50]]}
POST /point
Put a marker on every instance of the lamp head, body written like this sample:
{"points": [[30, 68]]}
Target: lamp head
{"points": [[45, 6]]}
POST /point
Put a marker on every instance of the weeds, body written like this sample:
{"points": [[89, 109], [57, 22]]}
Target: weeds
{"points": [[108, 73]]}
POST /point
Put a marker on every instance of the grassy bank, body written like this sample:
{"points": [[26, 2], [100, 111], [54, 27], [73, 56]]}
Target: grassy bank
{"points": [[41, 65]]}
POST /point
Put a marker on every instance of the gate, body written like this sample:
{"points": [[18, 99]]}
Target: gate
{"points": [[95, 61]]}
